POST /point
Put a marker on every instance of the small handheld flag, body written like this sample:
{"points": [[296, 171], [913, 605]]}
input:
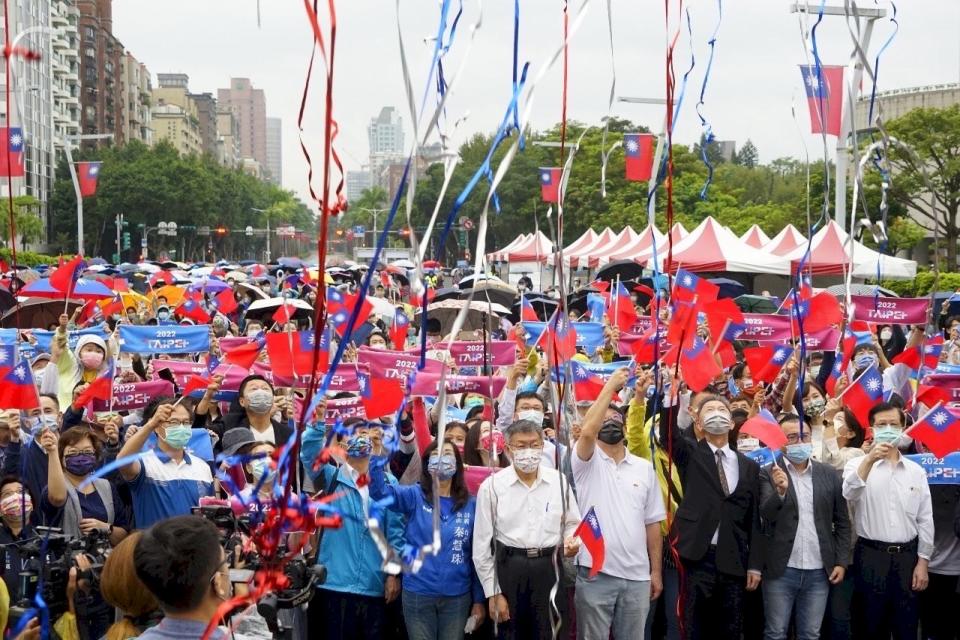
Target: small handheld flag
{"points": [[592, 537]]}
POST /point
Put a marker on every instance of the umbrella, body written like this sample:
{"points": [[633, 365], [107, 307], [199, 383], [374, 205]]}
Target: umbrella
{"points": [[7, 300], [382, 306], [395, 269], [576, 300], [209, 285], [543, 305], [130, 299], [840, 291], [432, 264], [626, 269], [247, 263], [403, 264], [171, 292], [729, 288], [467, 282], [290, 263], [96, 261], [146, 267], [83, 289], [447, 293], [501, 295], [256, 292], [201, 271], [756, 304], [37, 312], [447, 310], [236, 276], [264, 309]]}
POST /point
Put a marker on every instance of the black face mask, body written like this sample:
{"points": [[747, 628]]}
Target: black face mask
{"points": [[739, 415], [611, 432]]}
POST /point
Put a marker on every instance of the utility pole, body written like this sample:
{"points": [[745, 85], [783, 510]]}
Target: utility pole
{"points": [[265, 211], [68, 143], [847, 123], [119, 225]]}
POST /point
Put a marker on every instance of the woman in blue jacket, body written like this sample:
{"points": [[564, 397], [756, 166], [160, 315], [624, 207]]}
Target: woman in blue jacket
{"points": [[436, 599]]}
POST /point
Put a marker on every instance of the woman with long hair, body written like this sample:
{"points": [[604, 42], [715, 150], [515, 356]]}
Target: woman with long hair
{"points": [[482, 439], [121, 587], [438, 599]]}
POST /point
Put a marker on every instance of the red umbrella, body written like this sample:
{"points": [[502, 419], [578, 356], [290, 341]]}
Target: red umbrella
{"points": [[431, 264]]}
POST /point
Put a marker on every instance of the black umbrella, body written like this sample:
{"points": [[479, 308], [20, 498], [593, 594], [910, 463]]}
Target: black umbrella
{"points": [[578, 299], [626, 269], [7, 300], [37, 312], [756, 304], [729, 288], [543, 305], [498, 295], [448, 293]]}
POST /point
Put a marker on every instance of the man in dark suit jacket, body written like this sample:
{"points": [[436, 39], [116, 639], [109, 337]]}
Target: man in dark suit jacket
{"points": [[808, 544], [717, 527]]}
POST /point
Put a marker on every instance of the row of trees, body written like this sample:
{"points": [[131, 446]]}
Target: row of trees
{"points": [[742, 192], [153, 184]]}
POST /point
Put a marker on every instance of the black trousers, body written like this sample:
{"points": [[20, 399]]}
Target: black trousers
{"points": [[939, 607], [886, 602], [713, 601], [335, 615], [526, 583]]}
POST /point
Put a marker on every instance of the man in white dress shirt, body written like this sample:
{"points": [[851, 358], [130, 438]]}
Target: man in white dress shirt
{"points": [[893, 516], [624, 492], [525, 513]]}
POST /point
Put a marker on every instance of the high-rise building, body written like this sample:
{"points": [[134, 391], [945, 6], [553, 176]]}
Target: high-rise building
{"points": [[274, 151], [207, 114], [228, 134], [174, 114], [137, 90], [65, 66], [31, 95], [249, 107], [101, 96], [357, 183], [385, 135]]}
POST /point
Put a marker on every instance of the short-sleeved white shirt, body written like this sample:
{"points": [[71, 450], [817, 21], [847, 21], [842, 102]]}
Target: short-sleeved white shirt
{"points": [[626, 498]]}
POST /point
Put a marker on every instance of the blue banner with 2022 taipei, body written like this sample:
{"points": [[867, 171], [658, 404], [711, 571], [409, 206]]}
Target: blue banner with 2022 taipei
{"points": [[169, 339]]}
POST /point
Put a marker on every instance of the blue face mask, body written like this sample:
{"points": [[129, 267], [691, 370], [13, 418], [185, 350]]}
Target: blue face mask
{"points": [[887, 435], [178, 437], [359, 447], [443, 467], [799, 453]]}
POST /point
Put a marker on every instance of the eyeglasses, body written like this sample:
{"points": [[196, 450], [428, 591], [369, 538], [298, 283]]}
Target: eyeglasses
{"points": [[85, 452], [525, 445], [794, 438]]}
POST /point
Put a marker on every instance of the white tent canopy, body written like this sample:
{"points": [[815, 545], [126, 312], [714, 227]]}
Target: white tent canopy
{"points": [[755, 237], [500, 256], [713, 247], [639, 250]]}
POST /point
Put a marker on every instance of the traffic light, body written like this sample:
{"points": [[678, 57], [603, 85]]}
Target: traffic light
{"points": [[126, 240], [221, 231]]}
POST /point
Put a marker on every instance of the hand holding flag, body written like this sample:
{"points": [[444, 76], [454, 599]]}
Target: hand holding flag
{"points": [[592, 537]]}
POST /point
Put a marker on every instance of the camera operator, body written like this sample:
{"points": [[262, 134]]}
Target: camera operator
{"points": [[122, 588], [181, 562]]}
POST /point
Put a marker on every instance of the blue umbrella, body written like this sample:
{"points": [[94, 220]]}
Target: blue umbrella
{"points": [[83, 288], [210, 285]]}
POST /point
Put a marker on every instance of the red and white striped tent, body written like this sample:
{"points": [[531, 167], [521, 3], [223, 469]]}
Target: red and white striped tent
{"points": [[640, 250], [713, 247], [585, 241], [571, 259], [500, 256], [755, 237], [829, 255], [678, 233], [536, 248], [624, 239], [786, 241]]}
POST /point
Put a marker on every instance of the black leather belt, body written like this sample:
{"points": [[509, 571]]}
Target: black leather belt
{"points": [[545, 552], [889, 547]]}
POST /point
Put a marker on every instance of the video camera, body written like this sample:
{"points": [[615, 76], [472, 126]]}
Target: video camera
{"points": [[302, 575], [47, 560]]}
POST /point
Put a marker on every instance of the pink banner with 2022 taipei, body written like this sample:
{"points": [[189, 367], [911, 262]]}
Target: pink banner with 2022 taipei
{"points": [[881, 310]]}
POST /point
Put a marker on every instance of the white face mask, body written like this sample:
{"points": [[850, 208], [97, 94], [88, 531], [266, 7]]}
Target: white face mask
{"points": [[526, 460], [532, 415], [717, 423], [886, 334], [748, 444]]}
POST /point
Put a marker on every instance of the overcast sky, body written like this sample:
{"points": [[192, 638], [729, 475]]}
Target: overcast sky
{"points": [[753, 82]]}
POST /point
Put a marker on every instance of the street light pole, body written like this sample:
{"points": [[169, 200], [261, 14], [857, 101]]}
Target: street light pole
{"points": [[846, 122], [68, 150], [375, 213], [268, 229]]}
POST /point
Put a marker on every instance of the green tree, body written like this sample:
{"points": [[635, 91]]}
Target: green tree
{"points": [[26, 214], [747, 156], [934, 134]]}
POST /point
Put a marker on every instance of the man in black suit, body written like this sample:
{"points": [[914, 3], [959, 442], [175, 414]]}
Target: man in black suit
{"points": [[717, 526], [808, 540]]}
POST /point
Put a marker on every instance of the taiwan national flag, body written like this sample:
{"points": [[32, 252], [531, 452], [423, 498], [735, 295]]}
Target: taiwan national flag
{"points": [[527, 312], [586, 384], [398, 329], [698, 366], [824, 97], [937, 430], [560, 338], [246, 354], [863, 394], [625, 315], [224, 302], [638, 155], [687, 285], [99, 389], [17, 390], [67, 275], [11, 154], [291, 353], [592, 537], [8, 358], [87, 173], [380, 396], [765, 362], [927, 356], [549, 184], [764, 427], [839, 365], [193, 309]]}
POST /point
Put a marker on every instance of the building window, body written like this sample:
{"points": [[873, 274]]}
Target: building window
{"points": [[89, 33]]}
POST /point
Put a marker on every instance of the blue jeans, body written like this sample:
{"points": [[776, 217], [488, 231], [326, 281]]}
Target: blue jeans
{"points": [[607, 603], [435, 618], [805, 590]]}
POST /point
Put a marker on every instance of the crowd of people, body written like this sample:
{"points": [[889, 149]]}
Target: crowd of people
{"points": [[499, 497]]}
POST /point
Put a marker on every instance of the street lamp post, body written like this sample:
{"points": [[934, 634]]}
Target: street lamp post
{"points": [[162, 229], [657, 154], [375, 213], [846, 122], [268, 229], [68, 143]]}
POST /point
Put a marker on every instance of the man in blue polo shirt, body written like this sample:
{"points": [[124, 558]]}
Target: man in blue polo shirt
{"points": [[166, 481]]}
